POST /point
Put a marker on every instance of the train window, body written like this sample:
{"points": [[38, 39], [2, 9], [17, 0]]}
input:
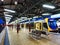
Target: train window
{"points": [[45, 25]]}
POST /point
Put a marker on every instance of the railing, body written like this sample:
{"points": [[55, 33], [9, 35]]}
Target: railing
{"points": [[6, 40]]}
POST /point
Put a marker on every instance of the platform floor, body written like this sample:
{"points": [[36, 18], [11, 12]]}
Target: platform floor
{"points": [[23, 38]]}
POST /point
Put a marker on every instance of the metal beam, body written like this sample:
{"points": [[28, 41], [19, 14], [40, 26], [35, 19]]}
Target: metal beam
{"points": [[31, 7]]}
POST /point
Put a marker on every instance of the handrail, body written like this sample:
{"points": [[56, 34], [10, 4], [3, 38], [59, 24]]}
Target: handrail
{"points": [[6, 40]]}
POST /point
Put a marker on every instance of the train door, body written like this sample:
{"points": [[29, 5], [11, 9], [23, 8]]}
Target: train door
{"points": [[38, 26]]}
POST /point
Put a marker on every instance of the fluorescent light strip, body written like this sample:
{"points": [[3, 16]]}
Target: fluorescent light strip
{"points": [[2, 0], [46, 14], [8, 15], [55, 16], [9, 10], [35, 17], [48, 6], [16, 2]]}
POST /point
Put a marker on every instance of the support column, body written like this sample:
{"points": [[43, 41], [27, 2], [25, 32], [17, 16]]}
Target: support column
{"points": [[29, 27], [20, 26], [25, 26], [11, 26]]}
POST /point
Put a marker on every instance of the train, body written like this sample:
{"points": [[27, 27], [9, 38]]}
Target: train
{"points": [[42, 25], [46, 26]]}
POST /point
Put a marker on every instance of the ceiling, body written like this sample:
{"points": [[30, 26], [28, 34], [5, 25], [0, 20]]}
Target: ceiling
{"points": [[27, 8]]}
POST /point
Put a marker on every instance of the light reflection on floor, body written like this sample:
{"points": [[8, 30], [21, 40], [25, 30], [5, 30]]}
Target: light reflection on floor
{"points": [[23, 38]]}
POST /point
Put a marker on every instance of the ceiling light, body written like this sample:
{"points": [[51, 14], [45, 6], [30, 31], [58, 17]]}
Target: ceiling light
{"points": [[49, 6], [35, 17], [9, 10], [15, 2], [55, 16], [8, 15], [24, 18], [2, 0], [46, 14]]}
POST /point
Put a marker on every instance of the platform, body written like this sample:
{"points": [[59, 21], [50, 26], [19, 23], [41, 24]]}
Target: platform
{"points": [[23, 38]]}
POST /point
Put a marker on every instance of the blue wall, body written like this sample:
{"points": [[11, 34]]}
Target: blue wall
{"points": [[2, 22]]}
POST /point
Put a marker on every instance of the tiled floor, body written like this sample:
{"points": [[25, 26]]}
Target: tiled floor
{"points": [[23, 38]]}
